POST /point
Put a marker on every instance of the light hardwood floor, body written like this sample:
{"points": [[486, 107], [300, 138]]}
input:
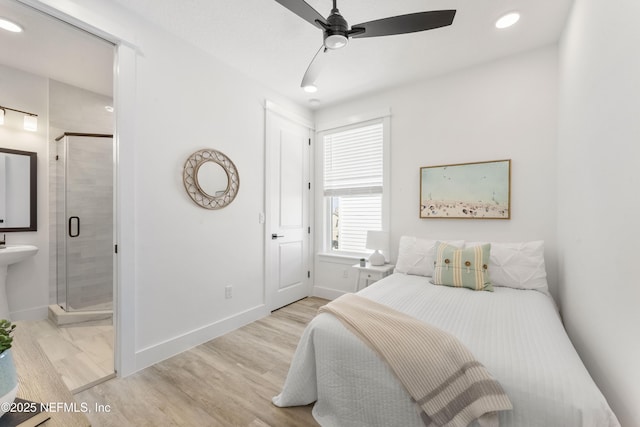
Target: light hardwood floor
{"points": [[82, 355], [228, 381]]}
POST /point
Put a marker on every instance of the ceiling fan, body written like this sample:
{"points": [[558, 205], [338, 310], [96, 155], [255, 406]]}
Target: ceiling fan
{"points": [[337, 32]]}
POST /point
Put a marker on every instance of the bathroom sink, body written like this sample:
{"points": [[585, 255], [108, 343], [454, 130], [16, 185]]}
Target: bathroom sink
{"points": [[10, 255], [16, 253]]}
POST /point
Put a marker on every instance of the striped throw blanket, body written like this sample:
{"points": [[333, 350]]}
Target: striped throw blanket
{"points": [[436, 369]]}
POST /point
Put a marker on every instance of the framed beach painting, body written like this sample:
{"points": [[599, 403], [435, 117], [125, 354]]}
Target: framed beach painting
{"points": [[479, 190]]}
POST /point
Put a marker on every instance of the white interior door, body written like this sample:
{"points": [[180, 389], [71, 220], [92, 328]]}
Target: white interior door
{"points": [[288, 199]]}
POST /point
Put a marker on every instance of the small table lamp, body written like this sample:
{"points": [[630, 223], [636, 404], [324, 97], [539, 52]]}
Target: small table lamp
{"points": [[378, 241]]}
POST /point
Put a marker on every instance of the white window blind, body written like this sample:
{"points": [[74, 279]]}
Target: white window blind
{"points": [[353, 161], [353, 184]]}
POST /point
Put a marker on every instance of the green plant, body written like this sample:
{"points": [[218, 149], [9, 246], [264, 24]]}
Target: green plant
{"points": [[6, 329]]}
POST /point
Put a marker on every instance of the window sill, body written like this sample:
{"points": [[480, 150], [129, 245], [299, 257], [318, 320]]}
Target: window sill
{"points": [[345, 258]]}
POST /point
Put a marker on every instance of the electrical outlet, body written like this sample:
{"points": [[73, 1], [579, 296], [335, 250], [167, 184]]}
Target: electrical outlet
{"points": [[345, 274], [228, 291]]}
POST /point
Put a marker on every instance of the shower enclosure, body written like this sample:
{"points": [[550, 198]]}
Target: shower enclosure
{"points": [[85, 222]]}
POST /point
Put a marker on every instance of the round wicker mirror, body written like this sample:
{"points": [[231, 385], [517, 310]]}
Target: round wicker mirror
{"points": [[211, 179]]}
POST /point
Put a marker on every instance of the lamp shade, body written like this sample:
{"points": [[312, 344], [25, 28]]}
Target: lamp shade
{"points": [[31, 123], [378, 240]]}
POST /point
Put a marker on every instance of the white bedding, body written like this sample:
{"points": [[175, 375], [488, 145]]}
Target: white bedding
{"points": [[516, 334]]}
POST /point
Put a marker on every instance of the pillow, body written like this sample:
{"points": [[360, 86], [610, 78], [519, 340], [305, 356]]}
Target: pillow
{"points": [[467, 268], [517, 265], [416, 256]]}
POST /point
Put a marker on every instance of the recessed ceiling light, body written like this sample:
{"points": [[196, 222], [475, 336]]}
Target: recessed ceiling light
{"points": [[109, 108], [507, 20], [310, 88], [5, 24]]}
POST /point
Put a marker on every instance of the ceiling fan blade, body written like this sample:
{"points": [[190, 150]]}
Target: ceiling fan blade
{"points": [[317, 63], [304, 11], [403, 24]]}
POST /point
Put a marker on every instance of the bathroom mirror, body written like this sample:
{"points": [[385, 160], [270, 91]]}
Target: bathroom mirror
{"points": [[18, 190], [211, 179]]}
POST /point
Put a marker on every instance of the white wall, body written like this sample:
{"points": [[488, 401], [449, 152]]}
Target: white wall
{"points": [[598, 197], [73, 109], [506, 109], [186, 255], [27, 281]]}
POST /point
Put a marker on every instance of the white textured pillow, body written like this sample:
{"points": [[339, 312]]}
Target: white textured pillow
{"points": [[517, 265], [416, 256]]}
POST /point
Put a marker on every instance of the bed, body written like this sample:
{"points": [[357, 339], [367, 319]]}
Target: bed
{"points": [[515, 331]]}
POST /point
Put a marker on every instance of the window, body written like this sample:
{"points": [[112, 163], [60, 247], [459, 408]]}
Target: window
{"points": [[353, 185]]}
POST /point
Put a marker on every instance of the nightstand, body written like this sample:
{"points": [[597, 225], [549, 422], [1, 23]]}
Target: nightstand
{"points": [[371, 273]]}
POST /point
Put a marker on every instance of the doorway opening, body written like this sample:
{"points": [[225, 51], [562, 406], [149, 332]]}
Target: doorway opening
{"points": [[76, 70]]}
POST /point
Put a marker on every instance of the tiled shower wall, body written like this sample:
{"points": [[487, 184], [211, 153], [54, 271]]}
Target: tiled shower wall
{"points": [[89, 258]]}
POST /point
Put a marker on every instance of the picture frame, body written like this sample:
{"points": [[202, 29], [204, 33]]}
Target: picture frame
{"points": [[479, 190]]}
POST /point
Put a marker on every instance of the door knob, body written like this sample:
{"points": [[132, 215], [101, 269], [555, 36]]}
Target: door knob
{"points": [[274, 236]]}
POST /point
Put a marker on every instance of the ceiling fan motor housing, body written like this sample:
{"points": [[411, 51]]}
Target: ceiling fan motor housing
{"points": [[336, 31]]}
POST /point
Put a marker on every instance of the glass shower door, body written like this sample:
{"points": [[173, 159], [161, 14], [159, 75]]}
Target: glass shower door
{"points": [[85, 252]]}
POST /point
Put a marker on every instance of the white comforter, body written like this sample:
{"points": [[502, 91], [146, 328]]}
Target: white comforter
{"points": [[516, 334]]}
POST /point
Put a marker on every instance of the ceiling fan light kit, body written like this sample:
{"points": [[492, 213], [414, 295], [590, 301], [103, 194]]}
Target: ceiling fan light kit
{"points": [[335, 41], [336, 32]]}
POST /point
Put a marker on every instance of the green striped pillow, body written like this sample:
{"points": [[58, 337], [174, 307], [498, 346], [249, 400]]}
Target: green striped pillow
{"points": [[466, 268]]}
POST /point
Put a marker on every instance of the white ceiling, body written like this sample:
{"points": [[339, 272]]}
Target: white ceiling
{"points": [[51, 48], [273, 46]]}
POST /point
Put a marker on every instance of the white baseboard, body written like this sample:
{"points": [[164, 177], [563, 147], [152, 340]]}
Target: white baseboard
{"points": [[37, 313], [326, 293], [159, 352]]}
